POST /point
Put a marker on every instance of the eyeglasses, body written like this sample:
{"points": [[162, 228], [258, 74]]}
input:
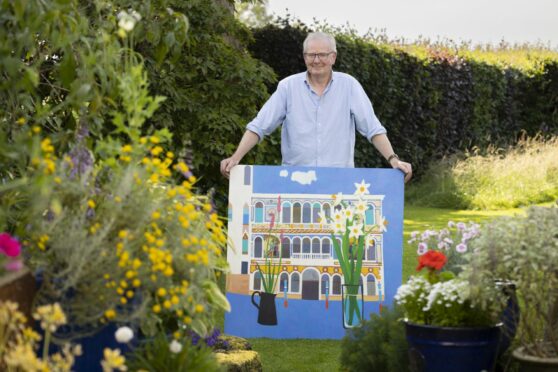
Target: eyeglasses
{"points": [[312, 56]]}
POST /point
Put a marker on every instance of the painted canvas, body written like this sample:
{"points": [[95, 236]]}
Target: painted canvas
{"points": [[312, 251]]}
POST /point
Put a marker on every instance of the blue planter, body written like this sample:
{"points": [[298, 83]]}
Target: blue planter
{"points": [[442, 349]]}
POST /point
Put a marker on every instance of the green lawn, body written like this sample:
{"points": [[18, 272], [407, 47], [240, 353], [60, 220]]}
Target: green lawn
{"points": [[323, 355]]}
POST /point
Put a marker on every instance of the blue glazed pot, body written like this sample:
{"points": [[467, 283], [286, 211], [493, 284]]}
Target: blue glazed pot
{"points": [[442, 349]]}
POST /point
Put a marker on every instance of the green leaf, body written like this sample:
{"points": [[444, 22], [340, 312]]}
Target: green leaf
{"points": [[67, 69], [215, 296]]}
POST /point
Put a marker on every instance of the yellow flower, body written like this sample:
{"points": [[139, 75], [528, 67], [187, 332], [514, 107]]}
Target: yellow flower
{"points": [[156, 215], [170, 155], [156, 150], [36, 129], [154, 139], [167, 304], [130, 274], [123, 300], [50, 316], [156, 308], [161, 292], [21, 121], [199, 308], [136, 283], [174, 300], [117, 199], [168, 271], [130, 294], [176, 335], [143, 140], [122, 234], [58, 180], [110, 314], [187, 320], [91, 203], [126, 148], [136, 263], [113, 361]]}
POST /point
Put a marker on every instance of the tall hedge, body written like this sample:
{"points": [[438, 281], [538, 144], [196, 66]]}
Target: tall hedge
{"points": [[431, 105]]}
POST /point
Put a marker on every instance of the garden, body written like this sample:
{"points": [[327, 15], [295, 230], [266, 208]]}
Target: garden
{"points": [[113, 213]]}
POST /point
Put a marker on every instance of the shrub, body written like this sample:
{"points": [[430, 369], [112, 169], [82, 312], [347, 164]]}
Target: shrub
{"points": [[379, 345]]}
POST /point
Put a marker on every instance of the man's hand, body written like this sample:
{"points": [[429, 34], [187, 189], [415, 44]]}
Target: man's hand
{"points": [[227, 164], [406, 168]]}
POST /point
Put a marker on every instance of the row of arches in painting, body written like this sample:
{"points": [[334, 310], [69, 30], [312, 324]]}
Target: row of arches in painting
{"points": [[293, 247], [313, 285], [301, 212]]}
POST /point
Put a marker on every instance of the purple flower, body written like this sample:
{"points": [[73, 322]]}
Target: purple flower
{"points": [[422, 248], [461, 248], [451, 224], [461, 226]]}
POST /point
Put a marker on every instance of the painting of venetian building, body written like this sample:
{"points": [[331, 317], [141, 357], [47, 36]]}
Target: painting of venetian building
{"points": [[286, 203]]}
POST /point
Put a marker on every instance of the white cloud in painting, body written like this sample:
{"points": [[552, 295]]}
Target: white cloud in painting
{"points": [[304, 178], [284, 173]]}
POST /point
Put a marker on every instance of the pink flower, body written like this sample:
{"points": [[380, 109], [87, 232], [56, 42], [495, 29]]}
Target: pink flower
{"points": [[13, 265], [9, 245], [422, 249]]}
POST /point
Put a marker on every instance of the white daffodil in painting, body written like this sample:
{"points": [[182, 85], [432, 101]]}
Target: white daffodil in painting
{"points": [[348, 213], [338, 227], [338, 216], [322, 218], [362, 188], [356, 231], [337, 198], [370, 242], [383, 224], [361, 207]]}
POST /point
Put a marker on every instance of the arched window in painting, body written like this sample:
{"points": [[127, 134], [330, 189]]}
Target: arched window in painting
{"points": [[326, 246], [371, 251], [258, 247], [316, 245], [284, 282], [247, 175], [295, 283], [306, 245], [325, 284], [336, 287], [316, 209], [369, 215], [257, 281], [327, 209], [333, 248], [306, 213], [297, 213], [245, 215], [296, 245], [286, 248], [259, 212], [371, 285], [286, 212]]}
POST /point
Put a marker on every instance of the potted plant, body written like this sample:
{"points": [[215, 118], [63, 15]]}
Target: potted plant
{"points": [[444, 322], [348, 224], [524, 249], [267, 311]]}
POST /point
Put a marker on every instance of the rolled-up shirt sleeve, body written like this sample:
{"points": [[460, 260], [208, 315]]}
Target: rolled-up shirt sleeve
{"points": [[271, 115], [363, 114]]}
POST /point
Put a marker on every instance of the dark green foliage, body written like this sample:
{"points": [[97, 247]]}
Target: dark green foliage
{"points": [[379, 345], [434, 105]]}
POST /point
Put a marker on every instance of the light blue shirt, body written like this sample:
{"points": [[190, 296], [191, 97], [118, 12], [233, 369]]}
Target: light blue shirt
{"points": [[318, 131]]}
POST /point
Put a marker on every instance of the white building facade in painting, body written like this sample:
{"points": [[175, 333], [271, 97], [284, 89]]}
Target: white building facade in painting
{"points": [[309, 266]]}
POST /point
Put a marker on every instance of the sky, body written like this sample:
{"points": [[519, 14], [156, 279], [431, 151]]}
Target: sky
{"points": [[477, 21]]}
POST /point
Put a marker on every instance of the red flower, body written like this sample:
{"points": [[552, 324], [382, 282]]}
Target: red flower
{"points": [[434, 260], [9, 245]]}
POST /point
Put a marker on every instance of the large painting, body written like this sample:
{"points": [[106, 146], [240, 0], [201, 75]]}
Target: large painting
{"points": [[312, 251]]}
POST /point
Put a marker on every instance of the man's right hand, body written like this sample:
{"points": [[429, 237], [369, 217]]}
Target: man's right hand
{"points": [[226, 166]]}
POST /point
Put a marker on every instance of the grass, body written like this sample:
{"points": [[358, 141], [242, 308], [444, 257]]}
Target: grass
{"points": [[323, 355], [497, 179]]}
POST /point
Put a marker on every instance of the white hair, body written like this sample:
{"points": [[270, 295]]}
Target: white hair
{"points": [[320, 36]]}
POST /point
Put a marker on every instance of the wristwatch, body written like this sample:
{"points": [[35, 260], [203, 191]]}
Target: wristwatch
{"points": [[394, 155]]}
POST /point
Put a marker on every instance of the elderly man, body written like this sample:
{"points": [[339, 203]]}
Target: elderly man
{"points": [[319, 110]]}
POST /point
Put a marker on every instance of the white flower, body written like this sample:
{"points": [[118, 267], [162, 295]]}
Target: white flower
{"points": [[338, 227], [175, 347], [361, 207], [322, 218], [127, 21], [383, 224], [348, 213], [451, 224], [362, 188], [356, 231], [370, 240], [124, 334], [337, 198]]}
